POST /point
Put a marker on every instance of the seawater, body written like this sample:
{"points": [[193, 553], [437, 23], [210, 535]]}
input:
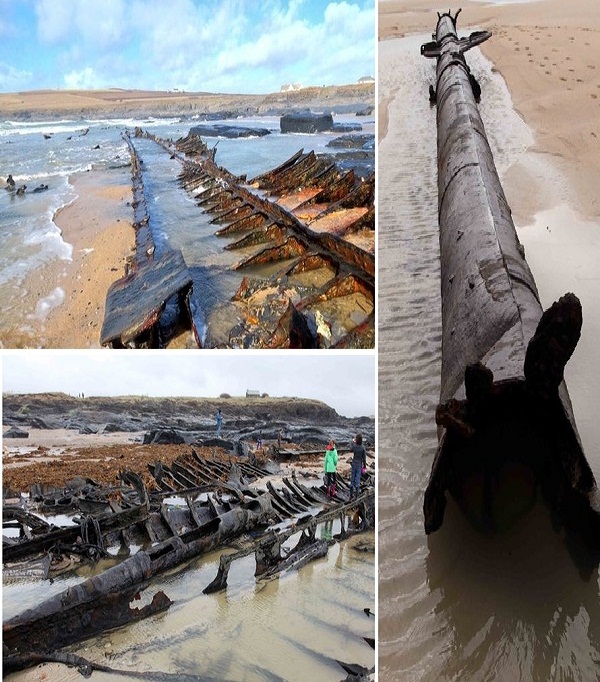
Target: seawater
{"points": [[454, 605], [293, 628], [49, 152]]}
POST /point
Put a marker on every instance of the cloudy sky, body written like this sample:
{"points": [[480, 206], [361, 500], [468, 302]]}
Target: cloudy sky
{"points": [[345, 381], [194, 45]]}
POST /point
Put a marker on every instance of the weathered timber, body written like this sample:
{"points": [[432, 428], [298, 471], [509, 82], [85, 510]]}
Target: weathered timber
{"points": [[276, 211], [267, 549], [135, 302], [103, 601], [507, 426]]}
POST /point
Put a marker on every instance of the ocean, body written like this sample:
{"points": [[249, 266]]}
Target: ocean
{"points": [[457, 605], [40, 153]]}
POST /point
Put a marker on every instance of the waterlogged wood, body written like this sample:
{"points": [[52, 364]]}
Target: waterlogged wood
{"points": [[264, 211], [267, 549], [507, 422], [103, 601], [134, 303]]}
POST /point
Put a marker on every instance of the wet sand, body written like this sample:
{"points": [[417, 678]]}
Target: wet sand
{"points": [[548, 54], [455, 604], [67, 298], [98, 225]]}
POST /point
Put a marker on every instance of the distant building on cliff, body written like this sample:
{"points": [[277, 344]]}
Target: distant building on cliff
{"points": [[252, 394], [366, 79], [291, 87]]}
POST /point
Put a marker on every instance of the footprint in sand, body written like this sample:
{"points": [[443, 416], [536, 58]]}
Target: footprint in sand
{"points": [[562, 78], [593, 96], [571, 70], [579, 80], [591, 66]]}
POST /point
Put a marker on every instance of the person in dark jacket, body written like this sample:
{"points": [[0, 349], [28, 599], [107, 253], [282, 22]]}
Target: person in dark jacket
{"points": [[359, 464]]}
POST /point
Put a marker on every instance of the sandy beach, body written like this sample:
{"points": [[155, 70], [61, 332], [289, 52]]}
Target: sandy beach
{"points": [[66, 297], [98, 225], [545, 52]]}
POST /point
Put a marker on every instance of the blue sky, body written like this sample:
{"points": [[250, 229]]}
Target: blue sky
{"points": [[344, 381], [194, 45]]}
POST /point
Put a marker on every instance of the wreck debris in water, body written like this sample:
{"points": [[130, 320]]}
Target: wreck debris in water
{"points": [[507, 426], [313, 221], [220, 508]]}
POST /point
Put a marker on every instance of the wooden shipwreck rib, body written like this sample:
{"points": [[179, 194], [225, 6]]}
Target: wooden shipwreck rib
{"points": [[507, 426], [314, 220], [136, 302], [230, 509]]}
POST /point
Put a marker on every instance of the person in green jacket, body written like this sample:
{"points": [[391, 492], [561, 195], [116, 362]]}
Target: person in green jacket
{"points": [[331, 460]]}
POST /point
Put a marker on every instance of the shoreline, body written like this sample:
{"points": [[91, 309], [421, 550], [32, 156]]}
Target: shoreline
{"points": [[552, 187], [98, 225], [541, 49], [67, 297]]}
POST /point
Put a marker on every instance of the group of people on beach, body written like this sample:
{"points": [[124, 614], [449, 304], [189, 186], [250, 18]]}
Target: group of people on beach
{"points": [[359, 465], [359, 460]]}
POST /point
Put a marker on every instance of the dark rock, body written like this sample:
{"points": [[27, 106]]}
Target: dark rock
{"points": [[353, 141], [241, 448], [218, 443], [164, 437], [15, 432], [111, 428], [367, 111], [86, 430], [346, 127], [229, 131], [305, 122]]}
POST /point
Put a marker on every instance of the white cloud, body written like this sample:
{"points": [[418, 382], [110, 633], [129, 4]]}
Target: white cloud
{"points": [[12, 79], [98, 24], [84, 79], [228, 46], [55, 19]]}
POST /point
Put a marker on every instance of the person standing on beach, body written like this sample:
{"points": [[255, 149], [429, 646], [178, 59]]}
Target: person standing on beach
{"points": [[331, 460], [359, 464], [219, 422]]}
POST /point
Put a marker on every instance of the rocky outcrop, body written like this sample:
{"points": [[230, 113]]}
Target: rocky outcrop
{"points": [[305, 122], [16, 432], [164, 437], [229, 131], [193, 419]]}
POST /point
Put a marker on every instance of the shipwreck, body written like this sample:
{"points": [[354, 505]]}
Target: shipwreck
{"points": [[306, 229], [222, 505], [507, 429]]}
